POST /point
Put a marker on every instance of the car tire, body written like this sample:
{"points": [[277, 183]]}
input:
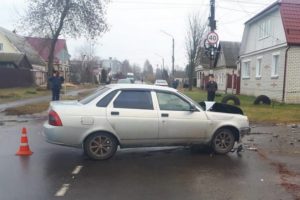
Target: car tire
{"points": [[233, 98], [223, 141], [100, 146], [262, 99]]}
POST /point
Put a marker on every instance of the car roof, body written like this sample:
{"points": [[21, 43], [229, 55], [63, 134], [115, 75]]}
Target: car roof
{"points": [[140, 86]]}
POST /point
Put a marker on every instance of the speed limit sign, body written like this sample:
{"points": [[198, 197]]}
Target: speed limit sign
{"points": [[212, 38]]}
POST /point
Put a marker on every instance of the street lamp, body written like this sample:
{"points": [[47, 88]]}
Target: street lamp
{"points": [[173, 47]]}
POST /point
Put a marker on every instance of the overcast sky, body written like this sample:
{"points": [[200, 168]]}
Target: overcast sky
{"points": [[135, 26]]}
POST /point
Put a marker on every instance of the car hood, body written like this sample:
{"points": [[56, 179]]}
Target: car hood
{"points": [[220, 107]]}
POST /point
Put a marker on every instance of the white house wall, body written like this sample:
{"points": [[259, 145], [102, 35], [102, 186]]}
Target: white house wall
{"points": [[266, 84], [220, 78], [277, 36]]}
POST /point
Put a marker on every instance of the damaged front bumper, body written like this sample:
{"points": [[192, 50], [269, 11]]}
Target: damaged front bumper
{"points": [[238, 147], [244, 131]]}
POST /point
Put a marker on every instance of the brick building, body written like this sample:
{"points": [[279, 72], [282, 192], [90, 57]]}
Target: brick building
{"points": [[270, 53]]}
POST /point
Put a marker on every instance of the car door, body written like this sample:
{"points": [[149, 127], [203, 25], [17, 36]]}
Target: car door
{"points": [[177, 123], [134, 118]]}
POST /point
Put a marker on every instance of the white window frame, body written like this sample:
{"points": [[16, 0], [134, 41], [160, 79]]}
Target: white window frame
{"points": [[258, 67], [1, 46], [264, 29], [274, 68], [246, 71]]}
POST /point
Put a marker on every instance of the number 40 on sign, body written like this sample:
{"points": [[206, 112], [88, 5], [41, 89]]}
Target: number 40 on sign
{"points": [[212, 38]]}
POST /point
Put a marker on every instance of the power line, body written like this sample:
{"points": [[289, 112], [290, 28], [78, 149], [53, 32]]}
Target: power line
{"points": [[246, 2], [237, 10], [155, 3], [179, 4]]}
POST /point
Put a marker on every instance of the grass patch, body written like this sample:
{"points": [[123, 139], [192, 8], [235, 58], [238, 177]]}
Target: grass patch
{"points": [[40, 107], [30, 92], [275, 113], [28, 109], [13, 94]]}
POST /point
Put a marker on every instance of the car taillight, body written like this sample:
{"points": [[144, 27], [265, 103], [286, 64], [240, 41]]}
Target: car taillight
{"points": [[54, 119]]}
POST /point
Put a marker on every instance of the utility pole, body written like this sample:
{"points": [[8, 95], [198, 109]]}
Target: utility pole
{"points": [[173, 57], [212, 24], [173, 51], [212, 21]]}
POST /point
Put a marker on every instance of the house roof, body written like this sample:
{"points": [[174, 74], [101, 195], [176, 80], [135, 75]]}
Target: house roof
{"points": [[22, 46], [15, 58], [263, 12], [42, 46], [289, 10], [230, 50]]}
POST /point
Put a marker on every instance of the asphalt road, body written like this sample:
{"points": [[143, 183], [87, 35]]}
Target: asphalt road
{"points": [[55, 172]]}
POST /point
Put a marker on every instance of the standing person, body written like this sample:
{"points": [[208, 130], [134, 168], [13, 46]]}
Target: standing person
{"points": [[211, 88], [56, 82]]}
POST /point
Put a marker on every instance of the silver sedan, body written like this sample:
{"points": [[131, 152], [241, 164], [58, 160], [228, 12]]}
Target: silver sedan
{"points": [[133, 115]]}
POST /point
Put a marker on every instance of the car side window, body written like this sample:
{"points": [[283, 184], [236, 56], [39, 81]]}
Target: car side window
{"points": [[107, 99], [168, 101], [134, 100]]}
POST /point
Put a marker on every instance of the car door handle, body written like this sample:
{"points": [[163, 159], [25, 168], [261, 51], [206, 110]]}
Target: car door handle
{"points": [[165, 115], [114, 113]]}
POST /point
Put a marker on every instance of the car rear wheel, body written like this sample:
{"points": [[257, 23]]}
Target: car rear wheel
{"points": [[100, 146], [223, 141]]}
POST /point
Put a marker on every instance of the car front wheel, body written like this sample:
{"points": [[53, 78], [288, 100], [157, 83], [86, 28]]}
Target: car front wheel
{"points": [[100, 146], [223, 141]]}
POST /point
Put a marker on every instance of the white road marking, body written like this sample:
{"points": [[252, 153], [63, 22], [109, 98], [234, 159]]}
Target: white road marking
{"points": [[62, 191], [77, 169]]}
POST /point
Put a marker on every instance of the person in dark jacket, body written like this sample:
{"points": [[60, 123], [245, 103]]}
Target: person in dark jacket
{"points": [[56, 82], [211, 88]]}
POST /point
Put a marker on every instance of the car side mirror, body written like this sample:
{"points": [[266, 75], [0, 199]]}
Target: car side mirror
{"points": [[193, 108]]}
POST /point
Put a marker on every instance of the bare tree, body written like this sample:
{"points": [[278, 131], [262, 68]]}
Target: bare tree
{"points": [[148, 72], [148, 69], [71, 17], [194, 40], [126, 67], [87, 49]]}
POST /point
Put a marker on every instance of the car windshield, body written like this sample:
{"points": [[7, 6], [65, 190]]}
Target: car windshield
{"points": [[94, 95], [191, 100]]}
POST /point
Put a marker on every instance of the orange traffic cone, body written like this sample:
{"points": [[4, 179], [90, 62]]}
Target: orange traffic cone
{"points": [[24, 149]]}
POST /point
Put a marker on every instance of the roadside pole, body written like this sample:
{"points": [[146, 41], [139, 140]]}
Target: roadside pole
{"points": [[65, 77], [212, 37]]}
